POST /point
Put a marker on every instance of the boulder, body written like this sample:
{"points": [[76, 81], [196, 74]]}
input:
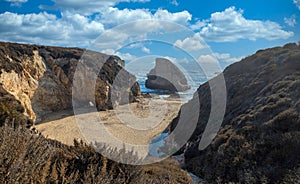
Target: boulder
{"points": [[166, 76]]}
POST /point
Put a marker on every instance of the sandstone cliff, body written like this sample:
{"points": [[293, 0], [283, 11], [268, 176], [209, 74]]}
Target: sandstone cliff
{"points": [[11, 111], [259, 138], [41, 78]]}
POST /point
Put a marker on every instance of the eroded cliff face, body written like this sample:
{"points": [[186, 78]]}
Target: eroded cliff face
{"points": [[41, 78], [258, 141], [11, 111]]}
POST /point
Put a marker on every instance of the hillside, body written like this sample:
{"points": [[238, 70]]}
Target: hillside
{"points": [[41, 78], [259, 140]]}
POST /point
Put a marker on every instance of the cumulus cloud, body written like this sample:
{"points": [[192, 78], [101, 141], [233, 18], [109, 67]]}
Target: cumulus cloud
{"points": [[230, 25], [210, 65], [113, 16], [199, 24], [16, 2], [191, 43], [136, 24], [87, 7], [75, 29], [208, 58], [291, 21], [44, 28], [297, 3]]}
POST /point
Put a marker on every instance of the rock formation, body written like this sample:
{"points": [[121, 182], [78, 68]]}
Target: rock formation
{"points": [[11, 111], [41, 78], [166, 76], [259, 138]]}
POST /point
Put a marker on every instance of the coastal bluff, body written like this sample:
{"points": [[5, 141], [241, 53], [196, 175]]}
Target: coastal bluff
{"points": [[41, 78], [258, 141]]}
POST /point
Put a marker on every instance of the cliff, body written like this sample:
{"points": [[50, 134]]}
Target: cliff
{"points": [[41, 78], [11, 111], [258, 141]]}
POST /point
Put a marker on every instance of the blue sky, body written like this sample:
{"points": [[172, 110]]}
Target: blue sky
{"points": [[231, 29]]}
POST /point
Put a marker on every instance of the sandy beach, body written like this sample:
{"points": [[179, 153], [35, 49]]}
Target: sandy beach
{"points": [[134, 124]]}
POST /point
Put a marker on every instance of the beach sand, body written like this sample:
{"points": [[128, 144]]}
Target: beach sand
{"points": [[133, 124]]}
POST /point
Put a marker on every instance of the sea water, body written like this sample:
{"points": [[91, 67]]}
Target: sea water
{"points": [[195, 79]]}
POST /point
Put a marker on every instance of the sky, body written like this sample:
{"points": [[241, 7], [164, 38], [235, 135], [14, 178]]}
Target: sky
{"points": [[206, 30]]}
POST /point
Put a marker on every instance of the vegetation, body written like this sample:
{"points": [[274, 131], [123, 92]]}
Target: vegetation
{"points": [[259, 140]]}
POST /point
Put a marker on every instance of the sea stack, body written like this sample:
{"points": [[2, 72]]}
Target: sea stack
{"points": [[166, 76]]}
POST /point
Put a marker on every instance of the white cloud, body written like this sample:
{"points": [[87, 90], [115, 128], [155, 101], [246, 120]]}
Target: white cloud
{"points": [[109, 51], [136, 24], [291, 21], [297, 3], [74, 29], [146, 50], [225, 57], [178, 17], [135, 45], [113, 16], [177, 60], [210, 65], [191, 43], [215, 58], [87, 7], [124, 56], [199, 24], [44, 28], [230, 25], [16, 2], [112, 38], [207, 59], [174, 2]]}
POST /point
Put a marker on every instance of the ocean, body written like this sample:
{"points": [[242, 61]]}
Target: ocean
{"points": [[193, 73]]}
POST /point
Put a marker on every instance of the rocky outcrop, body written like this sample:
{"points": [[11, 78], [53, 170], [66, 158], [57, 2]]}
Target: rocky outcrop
{"points": [[41, 78], [258, 141], [11, 111], [166, 76]]}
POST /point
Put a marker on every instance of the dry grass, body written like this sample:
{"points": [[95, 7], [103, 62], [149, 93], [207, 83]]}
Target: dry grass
{"points": [[27, 158], [31, 158]]}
